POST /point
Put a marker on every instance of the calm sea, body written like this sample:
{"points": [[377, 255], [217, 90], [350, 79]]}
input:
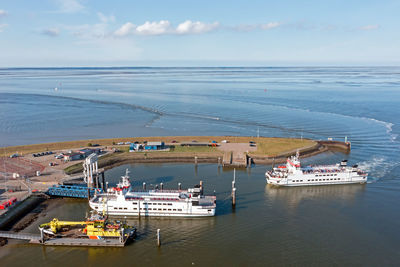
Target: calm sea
{"points": [[325, 225]]}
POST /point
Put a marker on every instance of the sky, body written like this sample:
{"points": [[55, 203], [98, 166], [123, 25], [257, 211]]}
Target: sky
{"points": [[62, 33]]}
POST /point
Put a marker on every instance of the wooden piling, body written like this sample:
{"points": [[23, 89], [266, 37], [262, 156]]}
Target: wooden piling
{"points": [[233, 194], [88, 193], [201, 187], [41, 235], [144, 186], [103, 181], [195, 160], [179, 186], [233, 197], [158, 238]]}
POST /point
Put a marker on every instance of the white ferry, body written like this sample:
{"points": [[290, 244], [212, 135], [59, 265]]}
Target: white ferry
{"points": [[122, 201], [292, 174]]}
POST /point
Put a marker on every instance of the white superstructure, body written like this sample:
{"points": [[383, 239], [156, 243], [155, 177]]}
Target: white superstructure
{"points": [[122, 201], [292, 174]]}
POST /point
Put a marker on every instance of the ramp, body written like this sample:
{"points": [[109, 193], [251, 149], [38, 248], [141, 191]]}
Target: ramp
{"points": [[227, 159], [20, 236]]}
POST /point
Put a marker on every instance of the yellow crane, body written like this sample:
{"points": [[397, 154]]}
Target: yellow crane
{"points": [[94, 228], [55, 225]]}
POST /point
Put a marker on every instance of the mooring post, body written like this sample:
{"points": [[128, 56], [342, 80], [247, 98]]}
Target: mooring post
{"points": [[106, 186], [121, 238], [219, 161], [179, 186], [144, 186], [195, 160], [234, 189], [158, 238], [161, 186], [249, 162], [41, 235], [201, 187], [103, 180]]}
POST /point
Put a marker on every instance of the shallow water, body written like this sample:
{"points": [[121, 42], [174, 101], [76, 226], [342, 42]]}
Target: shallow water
{"points": [[325, 225]]}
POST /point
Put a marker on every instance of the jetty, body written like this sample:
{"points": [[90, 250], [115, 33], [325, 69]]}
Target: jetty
{"points": [[234, 159]]}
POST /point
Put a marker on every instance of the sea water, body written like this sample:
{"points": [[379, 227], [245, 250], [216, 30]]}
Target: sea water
{"points": [[330, 225]]}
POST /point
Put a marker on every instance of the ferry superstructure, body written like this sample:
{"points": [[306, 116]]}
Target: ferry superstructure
{"points": [[292, 174], [123, 201]]}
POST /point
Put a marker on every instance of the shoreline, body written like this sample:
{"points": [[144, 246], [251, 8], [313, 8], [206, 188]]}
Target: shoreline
{"points": [[268, 150], [117, 159]]}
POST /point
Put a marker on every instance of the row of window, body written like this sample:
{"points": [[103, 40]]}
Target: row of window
{"points": [[334, 174], [115, 208], [330, 179], [149, 203], [313, 180]]}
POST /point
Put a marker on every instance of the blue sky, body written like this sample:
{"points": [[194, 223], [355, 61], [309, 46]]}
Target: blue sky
{"points": [[131, 33]]}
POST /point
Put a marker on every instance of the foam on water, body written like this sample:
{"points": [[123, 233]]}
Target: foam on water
{"points": [[377, 167]]}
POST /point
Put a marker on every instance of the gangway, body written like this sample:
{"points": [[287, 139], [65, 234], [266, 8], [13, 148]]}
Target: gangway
{"points": [[21, 236], [72, 191]]}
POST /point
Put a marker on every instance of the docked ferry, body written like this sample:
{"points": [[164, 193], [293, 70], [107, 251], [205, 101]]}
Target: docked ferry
{"points": [[292, 174], [123, 201]]}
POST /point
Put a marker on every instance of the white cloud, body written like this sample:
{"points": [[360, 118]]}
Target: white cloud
{"points": [[70, 6], [253, 27], [105, 19], [3, 13], [189, 27], [126, 29], [2, 26], [270, 25], [164, 27], [52, 32], [154, 28], [369, 27]]}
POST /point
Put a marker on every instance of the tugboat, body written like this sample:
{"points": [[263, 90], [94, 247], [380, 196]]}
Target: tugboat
{"points": [[292, 174]]}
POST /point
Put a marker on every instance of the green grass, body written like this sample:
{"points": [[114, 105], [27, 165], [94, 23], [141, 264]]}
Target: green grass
{"points": [[275, 146]]}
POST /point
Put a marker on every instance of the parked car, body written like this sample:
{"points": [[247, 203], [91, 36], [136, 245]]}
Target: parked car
{"points": [[120, 143], [174, 141], [59, 156], [225, 141], [14, 155]]}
